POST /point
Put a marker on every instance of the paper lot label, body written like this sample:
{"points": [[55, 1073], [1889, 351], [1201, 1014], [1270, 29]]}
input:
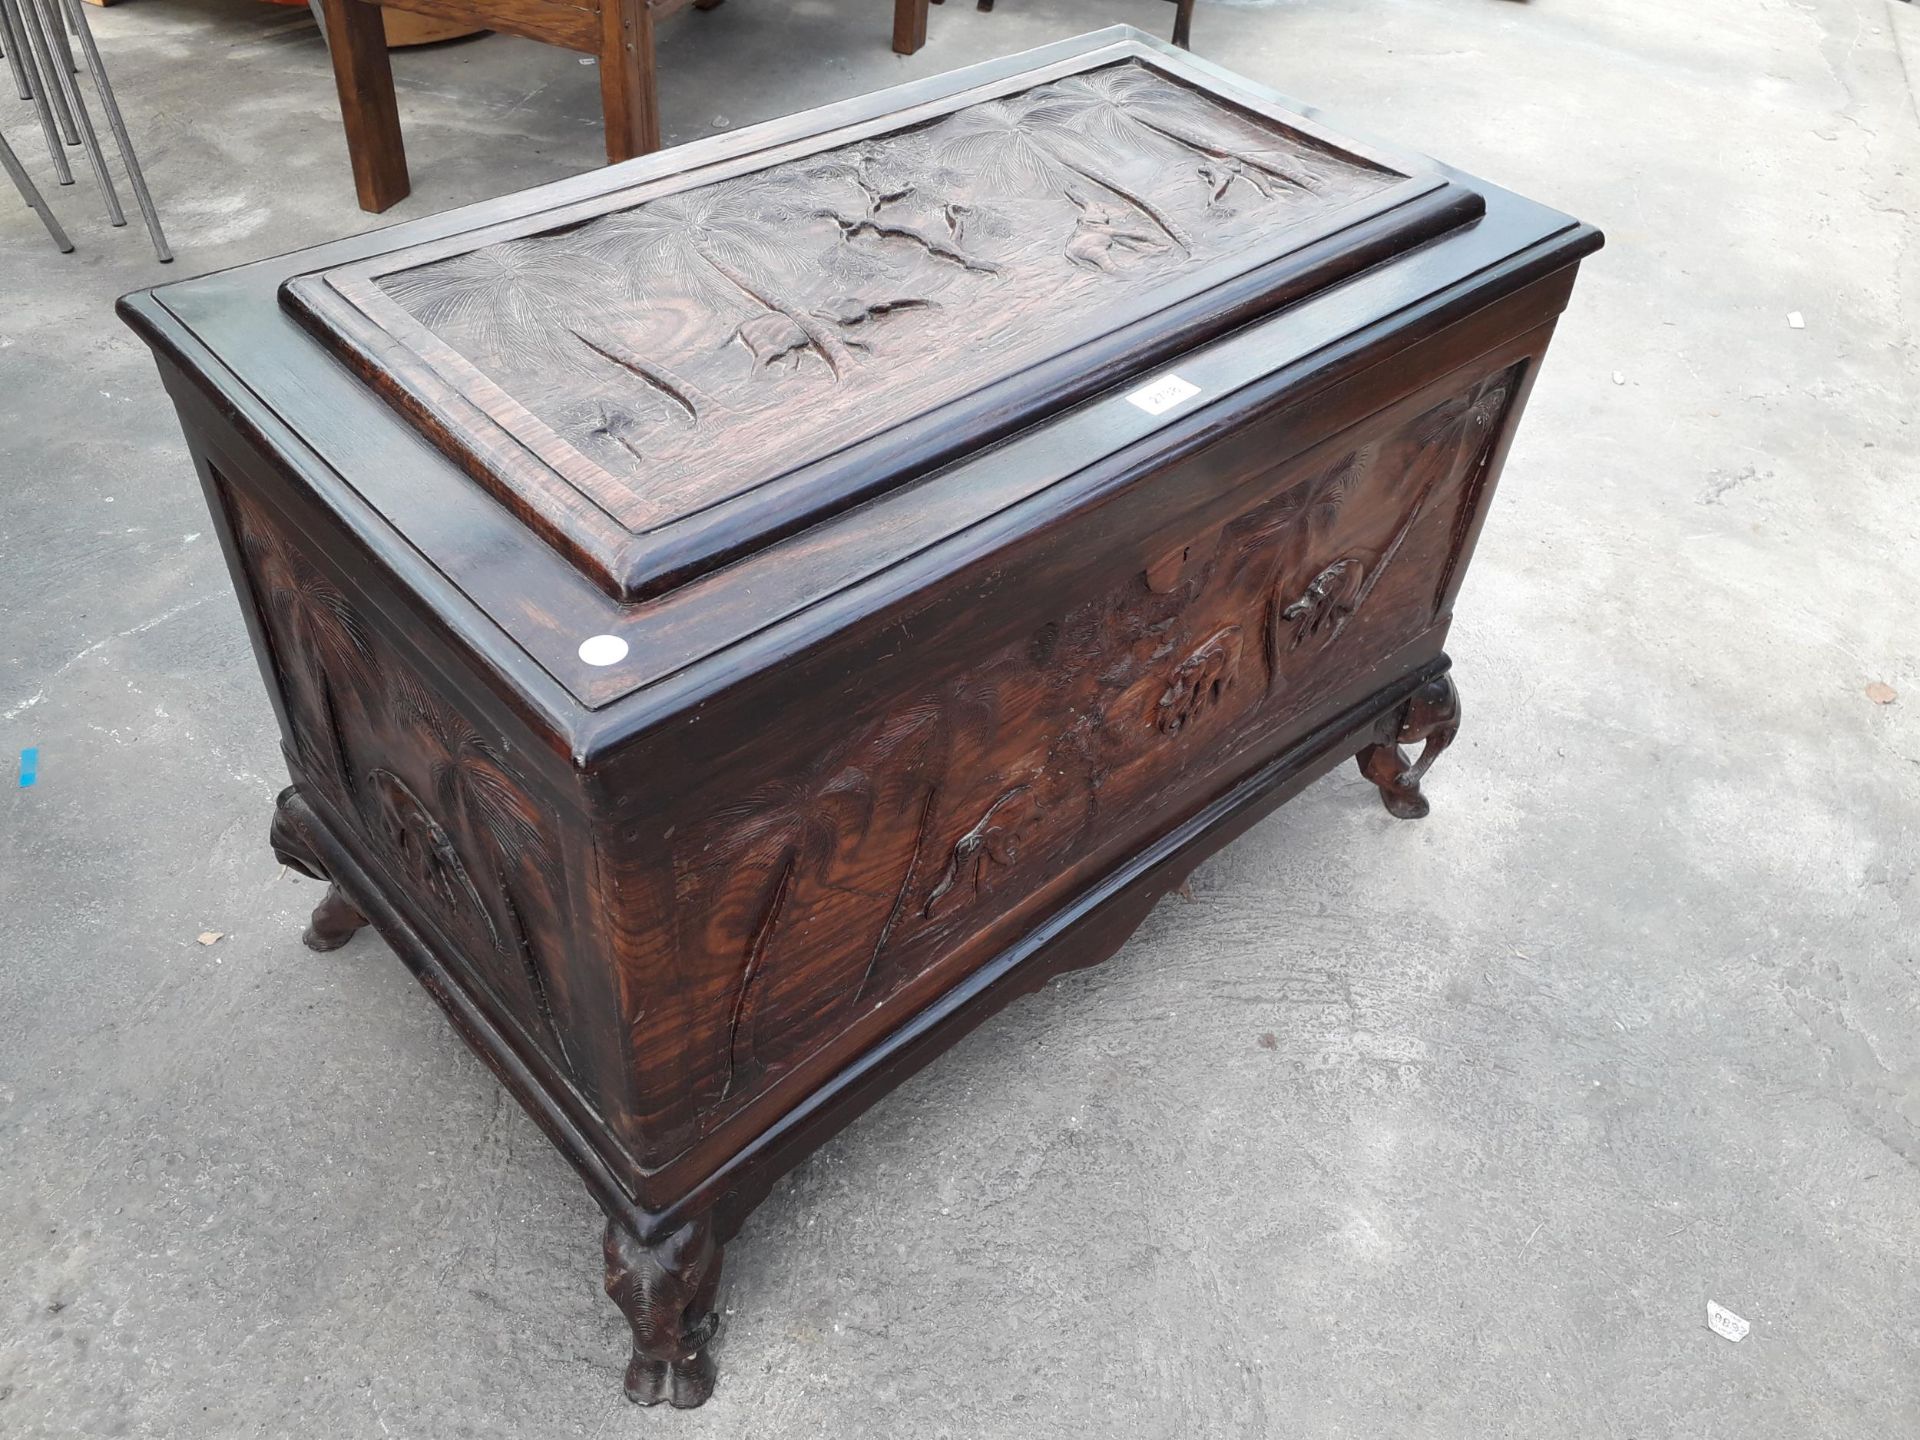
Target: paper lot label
{"points": [[1163, 394]]}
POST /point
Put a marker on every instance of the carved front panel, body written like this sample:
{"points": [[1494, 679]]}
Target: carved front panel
{"points": [[448, 823], [806, 898]]}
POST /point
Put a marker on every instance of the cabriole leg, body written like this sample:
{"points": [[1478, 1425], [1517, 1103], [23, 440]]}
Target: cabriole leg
{"points": [[335, 918], [666, 1291], [1432, 715]]}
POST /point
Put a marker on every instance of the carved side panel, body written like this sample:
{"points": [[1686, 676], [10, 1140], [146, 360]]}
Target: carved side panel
{"points": [[450, 826], [808, 897]]}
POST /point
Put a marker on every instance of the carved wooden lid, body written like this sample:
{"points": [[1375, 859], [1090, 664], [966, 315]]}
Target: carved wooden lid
{"points": [[669, 376]]}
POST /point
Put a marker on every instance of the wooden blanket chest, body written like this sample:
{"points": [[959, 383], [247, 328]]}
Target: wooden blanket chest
{"points": [[738, 618]]}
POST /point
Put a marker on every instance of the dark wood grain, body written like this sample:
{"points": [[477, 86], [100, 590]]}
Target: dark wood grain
{"points": [[369, 112], [620, 33], [1431, 720], [833, 872], [909, 25], [465, 809], [629, 98], [875, 778], [553, 22], [445, 812], [1183, 24], [666, 1290], [230, 352], [336, 919], [638, 382], [1182, 20]]}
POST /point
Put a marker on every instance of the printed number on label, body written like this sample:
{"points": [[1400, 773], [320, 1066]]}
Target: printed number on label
{"points": [[1163, 394]]}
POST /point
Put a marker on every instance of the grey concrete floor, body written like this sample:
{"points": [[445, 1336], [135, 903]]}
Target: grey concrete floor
{"points": [[1630, 1023]]}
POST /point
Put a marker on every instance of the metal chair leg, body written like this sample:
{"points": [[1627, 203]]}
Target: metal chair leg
{"points": [[46, 64], [13, 56], [96, 67], [57, 27], [48, 25], [30, 192], [37, 86]]}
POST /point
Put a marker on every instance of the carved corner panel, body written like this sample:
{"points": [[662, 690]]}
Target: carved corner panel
{"points": [[816, 894], [449, 825]]}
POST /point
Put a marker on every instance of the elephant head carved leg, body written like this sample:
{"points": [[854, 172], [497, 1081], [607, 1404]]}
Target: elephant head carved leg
{"points": [[1430, 718]]}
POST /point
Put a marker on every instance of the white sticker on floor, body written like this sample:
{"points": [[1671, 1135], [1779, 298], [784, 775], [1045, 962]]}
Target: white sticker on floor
{"points": [[1163, 394], [1723, 1322]]}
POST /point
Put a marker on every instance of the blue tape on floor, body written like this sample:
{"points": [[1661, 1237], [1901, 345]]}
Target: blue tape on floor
{"points": [[29, 766]]}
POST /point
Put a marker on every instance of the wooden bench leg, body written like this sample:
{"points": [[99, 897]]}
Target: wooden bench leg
{"points": [[909, 25], [626, 80], [357, 42]]}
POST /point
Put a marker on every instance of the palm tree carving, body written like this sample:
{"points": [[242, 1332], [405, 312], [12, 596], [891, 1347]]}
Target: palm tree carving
{"points": [[637, 358], [1444, 438], [1452, 439], [731, 242], [472, 796], [320, 640], [510, 301], [777, 838], [457, 823], [848, 841], [1024, 143], [1125, 104], [514, 304], [1448, 442]]}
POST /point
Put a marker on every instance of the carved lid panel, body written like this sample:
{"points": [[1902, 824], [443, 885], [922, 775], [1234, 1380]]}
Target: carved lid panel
{"points": [[671, 375]]}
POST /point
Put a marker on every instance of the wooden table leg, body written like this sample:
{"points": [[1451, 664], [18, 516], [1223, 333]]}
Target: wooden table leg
{"points": [[909, 25], [1183, 23], [627, 94], [357, 41]]}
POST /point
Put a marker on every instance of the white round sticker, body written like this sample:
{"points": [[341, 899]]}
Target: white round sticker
{"points": [[603, 650]]}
